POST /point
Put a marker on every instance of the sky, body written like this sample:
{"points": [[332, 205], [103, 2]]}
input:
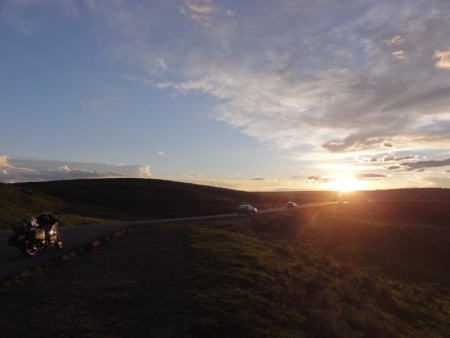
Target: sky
{"points": [[249, 95]]}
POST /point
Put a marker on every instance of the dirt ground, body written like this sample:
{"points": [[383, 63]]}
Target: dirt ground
{"points": [[133, 286]]}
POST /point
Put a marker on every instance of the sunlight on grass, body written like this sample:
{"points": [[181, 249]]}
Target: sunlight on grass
{"points": [[276, 276]]}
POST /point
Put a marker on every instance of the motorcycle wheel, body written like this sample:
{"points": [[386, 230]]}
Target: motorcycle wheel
{"points": [[58, 243], [28, 249]]}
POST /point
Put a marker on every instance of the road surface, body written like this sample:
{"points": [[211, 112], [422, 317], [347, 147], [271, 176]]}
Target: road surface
{"points": [[13, 262]]}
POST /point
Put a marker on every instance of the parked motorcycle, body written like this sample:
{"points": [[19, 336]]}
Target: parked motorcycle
{"points": [[33, 234]]}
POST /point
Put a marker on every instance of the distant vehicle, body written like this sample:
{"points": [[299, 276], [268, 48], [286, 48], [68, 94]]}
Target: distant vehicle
{"points": [[291, 205], [247, 209]]}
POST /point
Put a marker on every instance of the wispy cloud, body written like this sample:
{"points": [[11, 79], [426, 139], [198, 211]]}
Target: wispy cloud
{"points": [[444, 59], [428, 164], [192, 175], [399, 54], [15, 170], [7, 169], [198, 10], [321, 179], [396, 40], [369, 176], [264, 179]]}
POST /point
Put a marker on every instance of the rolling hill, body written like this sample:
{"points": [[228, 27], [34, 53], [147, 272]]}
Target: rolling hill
{"points": [[94, 200], [137, 199]]}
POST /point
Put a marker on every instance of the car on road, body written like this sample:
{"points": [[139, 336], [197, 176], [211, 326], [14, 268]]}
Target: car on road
{"points": [[291, 205], [247, 209]]}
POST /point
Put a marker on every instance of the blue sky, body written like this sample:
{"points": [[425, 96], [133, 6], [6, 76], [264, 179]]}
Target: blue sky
{"points": [[249, 95]]}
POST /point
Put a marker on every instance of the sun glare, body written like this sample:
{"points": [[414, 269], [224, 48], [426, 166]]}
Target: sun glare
{"points": [[346, 183]]}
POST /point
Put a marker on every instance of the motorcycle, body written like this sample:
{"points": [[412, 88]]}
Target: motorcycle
{"points": [[33, 234]]}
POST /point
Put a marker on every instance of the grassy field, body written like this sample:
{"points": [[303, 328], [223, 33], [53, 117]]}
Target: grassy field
{"points": [[376, 267], [321, 273]]}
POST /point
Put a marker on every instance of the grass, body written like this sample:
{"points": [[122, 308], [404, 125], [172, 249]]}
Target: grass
{"points": [[16, 203], [253, 278]]}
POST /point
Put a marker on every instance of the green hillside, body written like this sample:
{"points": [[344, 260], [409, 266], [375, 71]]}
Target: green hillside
{"points": [[100, 200], [17, 202], [322, 273], [138, 199]]}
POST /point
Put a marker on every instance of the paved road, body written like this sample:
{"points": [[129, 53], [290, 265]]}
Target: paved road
{"points": [[13, 262]]}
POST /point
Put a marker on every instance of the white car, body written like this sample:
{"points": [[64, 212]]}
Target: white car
{"points": [[291, 205], [247, 209]]}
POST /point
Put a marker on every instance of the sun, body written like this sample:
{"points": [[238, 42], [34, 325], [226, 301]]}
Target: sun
{"points": [[346, 183]]}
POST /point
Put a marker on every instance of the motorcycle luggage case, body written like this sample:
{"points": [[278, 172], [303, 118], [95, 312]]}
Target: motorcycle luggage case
{"points": [[40, 234]]}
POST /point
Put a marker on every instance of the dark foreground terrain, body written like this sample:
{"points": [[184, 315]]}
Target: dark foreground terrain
{"points": [[375, 267], [134, 286], [348, 270]]}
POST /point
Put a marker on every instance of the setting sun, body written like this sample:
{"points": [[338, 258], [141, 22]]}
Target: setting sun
{"points": [[346, 183]]}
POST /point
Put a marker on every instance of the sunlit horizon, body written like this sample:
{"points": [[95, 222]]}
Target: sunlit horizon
{"points": [[347, 183]]}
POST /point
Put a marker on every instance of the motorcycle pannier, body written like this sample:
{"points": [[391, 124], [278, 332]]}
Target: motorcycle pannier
{"points": [[40, 234]]}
